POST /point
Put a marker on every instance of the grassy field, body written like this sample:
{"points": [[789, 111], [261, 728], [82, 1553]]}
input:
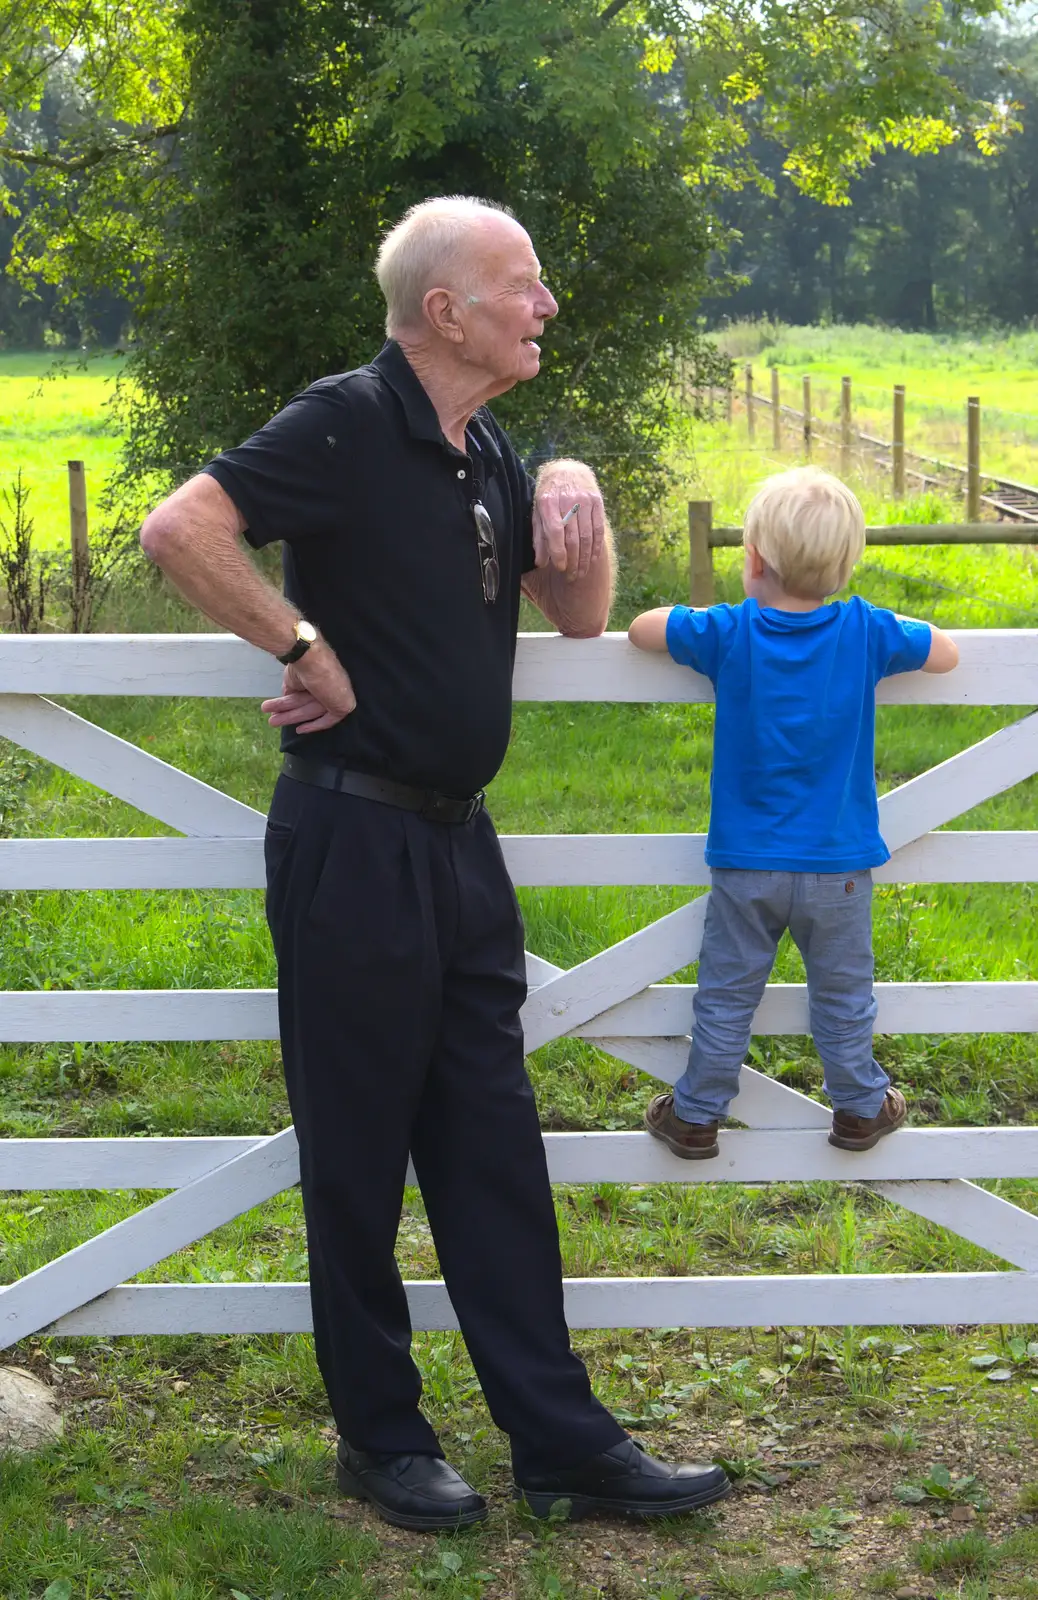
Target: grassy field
{"points": [[53, 412], [200, 1469], [939, 373]]}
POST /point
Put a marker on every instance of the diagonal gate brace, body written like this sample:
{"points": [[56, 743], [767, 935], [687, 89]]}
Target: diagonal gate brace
{"points": [[149, 1236]]}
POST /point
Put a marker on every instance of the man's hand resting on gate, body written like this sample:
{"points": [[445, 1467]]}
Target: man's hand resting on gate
{"points": [[316, 693]]}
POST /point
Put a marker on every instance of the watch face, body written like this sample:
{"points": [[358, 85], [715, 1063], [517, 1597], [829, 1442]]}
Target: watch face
{"points": [[306, 631]]}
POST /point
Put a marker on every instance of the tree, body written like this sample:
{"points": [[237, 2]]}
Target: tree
{"points": [[937, 239], [240, 208]]}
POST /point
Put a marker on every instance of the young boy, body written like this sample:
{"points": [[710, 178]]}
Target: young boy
{"points": [[794, 825]]}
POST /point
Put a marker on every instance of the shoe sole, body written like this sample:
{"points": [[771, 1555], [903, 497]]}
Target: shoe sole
{"points": [[843, 1143], [676, 1149], [583, 1505], [352, 1487]]}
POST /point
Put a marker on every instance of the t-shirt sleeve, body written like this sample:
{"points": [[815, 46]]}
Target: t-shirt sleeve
{"points": [[698, 639], [285, 479], [897, 644]]}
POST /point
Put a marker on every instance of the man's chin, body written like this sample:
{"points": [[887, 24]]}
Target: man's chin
{"points": [[530, 363]]}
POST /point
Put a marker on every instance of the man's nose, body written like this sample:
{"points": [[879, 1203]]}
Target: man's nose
{"points": [[547, 305]]}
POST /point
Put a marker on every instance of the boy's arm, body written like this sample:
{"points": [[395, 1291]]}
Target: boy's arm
{"points": [[944, 652], [649, 631]]}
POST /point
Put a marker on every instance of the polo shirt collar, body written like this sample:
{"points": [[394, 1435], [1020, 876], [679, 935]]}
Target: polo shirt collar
{"points": [[419, 411], [394, 367]]}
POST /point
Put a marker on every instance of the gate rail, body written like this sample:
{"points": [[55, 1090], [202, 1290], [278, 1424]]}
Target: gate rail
{"points": [[616, 998]]}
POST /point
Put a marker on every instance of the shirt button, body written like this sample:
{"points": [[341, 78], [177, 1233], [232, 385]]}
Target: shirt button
{"points": [[461, 472]]}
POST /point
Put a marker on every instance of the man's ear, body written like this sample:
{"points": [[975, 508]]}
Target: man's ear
{"points": [[756, 561], [440, 312]]}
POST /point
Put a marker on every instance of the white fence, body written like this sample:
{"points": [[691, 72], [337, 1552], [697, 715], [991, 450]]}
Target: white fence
{"points": [[616, 998]]}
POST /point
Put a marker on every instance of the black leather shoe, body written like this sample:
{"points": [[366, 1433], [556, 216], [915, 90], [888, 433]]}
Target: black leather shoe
{"points": [[625, 1479], [411, 1491]]}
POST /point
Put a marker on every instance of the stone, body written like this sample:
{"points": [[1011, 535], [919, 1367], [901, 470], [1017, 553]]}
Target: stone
{"points": [[29, 1414]]}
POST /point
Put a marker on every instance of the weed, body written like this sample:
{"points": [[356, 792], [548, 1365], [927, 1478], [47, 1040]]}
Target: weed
{"points": [[942, 1490], [886, 1581], [900, 1441], [827, 1526], [968, 1554], [26, 574]]}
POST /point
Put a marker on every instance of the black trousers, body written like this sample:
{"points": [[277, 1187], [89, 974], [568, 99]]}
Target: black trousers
{"points": [[400, 976]]}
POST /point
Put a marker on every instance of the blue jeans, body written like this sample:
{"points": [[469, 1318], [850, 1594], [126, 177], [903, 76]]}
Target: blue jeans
{"points": [[829, 915]]}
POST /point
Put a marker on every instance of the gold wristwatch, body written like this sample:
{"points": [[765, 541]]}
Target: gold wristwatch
{"points": [[306, 635]]}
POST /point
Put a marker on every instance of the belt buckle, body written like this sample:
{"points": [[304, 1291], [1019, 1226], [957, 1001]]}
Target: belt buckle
{"points": [[441, 807], [433, 806]]}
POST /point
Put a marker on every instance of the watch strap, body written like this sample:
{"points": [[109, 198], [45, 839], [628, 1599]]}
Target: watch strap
{"points": [[300, 648]]}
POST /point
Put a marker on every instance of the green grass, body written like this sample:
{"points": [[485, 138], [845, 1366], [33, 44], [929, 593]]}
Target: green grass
{"points": [[939, 372], [53, 412], [196, 1468]]}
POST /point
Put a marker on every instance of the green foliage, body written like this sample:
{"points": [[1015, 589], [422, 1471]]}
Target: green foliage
{"points": [[945, 239], [941, 1490], [969, 1553], [233, 162]]}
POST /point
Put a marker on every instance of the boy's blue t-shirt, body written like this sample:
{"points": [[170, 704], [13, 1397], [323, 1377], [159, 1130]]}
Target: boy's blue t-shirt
{"points": [[793, 786]]}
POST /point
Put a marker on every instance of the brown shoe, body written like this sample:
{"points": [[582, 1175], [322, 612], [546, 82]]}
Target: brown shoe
{"points": [[861, 1133], [693, 1141]]}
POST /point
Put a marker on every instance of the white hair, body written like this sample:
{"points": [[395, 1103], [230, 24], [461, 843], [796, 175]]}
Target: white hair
{"points": [[426, 250], [809, 528]]}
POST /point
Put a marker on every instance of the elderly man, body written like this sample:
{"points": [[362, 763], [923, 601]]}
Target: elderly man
{"points": [[409, 528]]}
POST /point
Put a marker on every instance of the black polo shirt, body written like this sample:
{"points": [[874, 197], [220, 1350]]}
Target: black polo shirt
{"points": [[380, 551]]}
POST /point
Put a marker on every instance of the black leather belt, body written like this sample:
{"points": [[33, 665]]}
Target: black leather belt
{"points": [[427, 802]]}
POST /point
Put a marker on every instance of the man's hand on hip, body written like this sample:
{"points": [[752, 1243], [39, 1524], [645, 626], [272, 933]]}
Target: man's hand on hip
{"points": [[316, 693]]}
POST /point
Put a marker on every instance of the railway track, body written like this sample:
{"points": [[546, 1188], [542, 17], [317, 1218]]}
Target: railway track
{"points": [[1013, 502]]}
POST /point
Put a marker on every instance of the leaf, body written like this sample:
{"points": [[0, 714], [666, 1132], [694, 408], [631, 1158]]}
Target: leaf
{"points": [[941, 1476], [910, 1493], [236, 1594], [980, 1362], [1000, 1375], [829, 1538], [450, 1561], [60, 1589]]}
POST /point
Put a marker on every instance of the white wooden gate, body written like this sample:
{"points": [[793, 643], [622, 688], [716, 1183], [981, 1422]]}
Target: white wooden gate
{"points": [[615, 998]]}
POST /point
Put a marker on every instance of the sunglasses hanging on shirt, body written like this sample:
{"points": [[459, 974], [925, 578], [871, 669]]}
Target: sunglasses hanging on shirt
{"points": [[487, 543]]}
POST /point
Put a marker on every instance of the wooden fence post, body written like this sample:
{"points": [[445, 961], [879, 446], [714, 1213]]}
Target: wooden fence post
{"points": [[729, 397], [973, 458], [807, 417], [749, 401], [77, 502], [898, 446], [776, 411], [700, 553], [845, 426]]}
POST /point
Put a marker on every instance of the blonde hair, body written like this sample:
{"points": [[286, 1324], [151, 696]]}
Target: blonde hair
{"points": [[426, 250], [809, 528]]}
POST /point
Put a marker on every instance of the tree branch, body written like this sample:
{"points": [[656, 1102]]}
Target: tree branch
{"points": [[89, 158], [612, 10]]}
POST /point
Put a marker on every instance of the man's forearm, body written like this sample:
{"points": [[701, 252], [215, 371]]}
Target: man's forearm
{"points": [[579, 607], [194, 537]]}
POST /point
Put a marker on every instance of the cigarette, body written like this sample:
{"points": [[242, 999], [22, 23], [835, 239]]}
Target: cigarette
{"points": [[571, 512]]}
